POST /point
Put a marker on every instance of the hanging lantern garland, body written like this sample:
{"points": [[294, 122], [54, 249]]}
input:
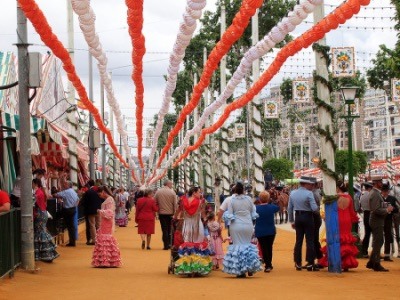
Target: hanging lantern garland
{"points": [[328, 23], [42, 27], [229, 37], [87, 24], [135, 23], [276, 35], [187, 27]]}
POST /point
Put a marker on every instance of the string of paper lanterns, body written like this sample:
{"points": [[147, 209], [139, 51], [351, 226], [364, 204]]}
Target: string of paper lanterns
{"points": [[135, 23], [186, 30], [87, 19], [230, 36], [328, 23], [276, 35]]}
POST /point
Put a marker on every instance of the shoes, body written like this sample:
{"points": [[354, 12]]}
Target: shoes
{"points": [[311, 267], [241, 276], [268, 269], [298, 267], [148, 248], [166, 248], [70, 245], [143, 245], [388, 259], [398, 255], [365, 256], [379, 268], [90, 243], [250, 274], [370, 265]]}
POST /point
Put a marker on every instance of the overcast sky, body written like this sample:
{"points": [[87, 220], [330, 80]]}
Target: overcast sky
{"points": [[162, 18]]}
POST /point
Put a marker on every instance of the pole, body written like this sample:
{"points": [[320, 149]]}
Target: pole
{"points": [[327, 154], [27, 248], [114, 181], [301, 153], [224, 142], [103, 138], [207, 147], [258, 175], [187, 159], [72, 120], [91, 142], [349, 120]]}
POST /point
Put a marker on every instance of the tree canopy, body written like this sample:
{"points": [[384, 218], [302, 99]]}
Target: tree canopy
{"points": [[281, 168]]}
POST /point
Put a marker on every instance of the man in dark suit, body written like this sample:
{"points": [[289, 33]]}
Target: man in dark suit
{"points": [[91, 202], [388, 227], [378, 212]]}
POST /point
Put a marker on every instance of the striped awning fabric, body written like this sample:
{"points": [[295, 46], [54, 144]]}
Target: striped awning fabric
{"points": [[12, 121]]}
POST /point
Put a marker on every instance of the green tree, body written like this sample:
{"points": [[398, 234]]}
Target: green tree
{"points": [[387, 61], [281, 168], [360, 162], [286, 90]]}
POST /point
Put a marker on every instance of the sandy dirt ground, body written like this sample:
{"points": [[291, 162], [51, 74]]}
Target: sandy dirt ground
{"points": [[144, 276]]}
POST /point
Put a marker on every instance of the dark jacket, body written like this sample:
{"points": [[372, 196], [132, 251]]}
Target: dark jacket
{"points": [[91, 202], [378, 211]]}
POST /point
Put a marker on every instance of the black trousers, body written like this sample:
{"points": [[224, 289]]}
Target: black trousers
{"points": [[165, 221], [88, 237], [388, 231], [68, 214], [304, 225], [317, 244], [367, 234], [266, 243], [377, 243]]}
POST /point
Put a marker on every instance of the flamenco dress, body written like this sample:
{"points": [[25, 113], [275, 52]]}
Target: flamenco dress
{"points": [[45, 249], [242, 256], [348, 250], [106, 252], [194, 252]]}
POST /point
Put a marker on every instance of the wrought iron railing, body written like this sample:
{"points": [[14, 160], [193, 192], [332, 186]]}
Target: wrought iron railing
{"points": [[10, 241]]}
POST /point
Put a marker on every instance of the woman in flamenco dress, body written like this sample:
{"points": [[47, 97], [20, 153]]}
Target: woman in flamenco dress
{"points": [[45, 249], [106, 253], [194, 253], [242, 257], [346, 217]]}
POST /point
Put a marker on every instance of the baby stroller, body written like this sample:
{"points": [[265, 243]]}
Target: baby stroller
{"points": [[176, 241]]}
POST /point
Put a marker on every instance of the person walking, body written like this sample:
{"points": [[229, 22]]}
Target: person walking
{"points": [[70, 202], [121, 217], [302, 206], [388, 226], [364, 204], [167, 204], [45, 249], [378, 212], [91, 202], [106, 253], [146, 208], [242, 256], [194, 253], [265, 230]]}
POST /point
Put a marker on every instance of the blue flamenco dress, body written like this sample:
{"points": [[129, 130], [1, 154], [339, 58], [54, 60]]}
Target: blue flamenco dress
{"points": [[194, 253], [242, 256]]}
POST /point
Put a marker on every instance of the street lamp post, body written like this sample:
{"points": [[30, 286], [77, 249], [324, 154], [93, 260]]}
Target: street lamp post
{"points": [[349, 94]]}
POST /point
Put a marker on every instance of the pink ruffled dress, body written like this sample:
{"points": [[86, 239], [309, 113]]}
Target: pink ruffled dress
{"points": [[106, 252]]}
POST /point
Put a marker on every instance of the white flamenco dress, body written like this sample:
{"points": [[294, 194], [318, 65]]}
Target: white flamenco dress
{"points": [[242, 256]]}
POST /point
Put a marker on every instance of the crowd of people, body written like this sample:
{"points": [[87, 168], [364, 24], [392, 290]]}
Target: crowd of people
{"points": [[194, 234]]}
